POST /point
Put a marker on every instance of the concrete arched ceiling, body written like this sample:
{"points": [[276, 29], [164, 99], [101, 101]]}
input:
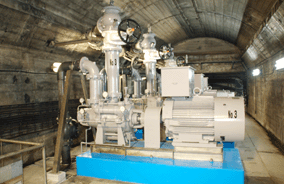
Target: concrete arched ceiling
{"points": [[203, 46], [33, 23], [176, 20]]}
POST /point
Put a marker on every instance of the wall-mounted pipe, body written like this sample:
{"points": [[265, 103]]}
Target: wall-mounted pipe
{"points": [[137, 83], [69, 131], [68, 65], [94, 76]]}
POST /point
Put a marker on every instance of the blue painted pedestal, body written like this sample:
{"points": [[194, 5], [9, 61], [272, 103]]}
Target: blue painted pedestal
{"points": [[159, 170]]}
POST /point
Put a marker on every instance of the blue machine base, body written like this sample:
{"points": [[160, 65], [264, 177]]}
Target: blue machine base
{"points": [[159, 170]]}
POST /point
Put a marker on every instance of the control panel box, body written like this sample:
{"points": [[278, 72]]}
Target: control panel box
{"points": [[177, 81]]}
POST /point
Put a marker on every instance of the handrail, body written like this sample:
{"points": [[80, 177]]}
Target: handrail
{"points": [[21, 151], [20, 142]]}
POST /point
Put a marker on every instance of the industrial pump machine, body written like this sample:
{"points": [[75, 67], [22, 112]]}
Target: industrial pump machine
{"points": [[185, 124]]}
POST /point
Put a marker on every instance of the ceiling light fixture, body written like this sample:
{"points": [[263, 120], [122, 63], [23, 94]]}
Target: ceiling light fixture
{"points": [[55, 66], [256, 72], [279, 64]]}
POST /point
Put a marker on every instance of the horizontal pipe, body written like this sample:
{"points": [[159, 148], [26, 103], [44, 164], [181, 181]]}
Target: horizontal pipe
{"points": [[58, 44], [111, 110], [214, 62]]}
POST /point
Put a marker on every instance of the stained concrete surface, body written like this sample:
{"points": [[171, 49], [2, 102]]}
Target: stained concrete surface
{"points": [[263, 162]]}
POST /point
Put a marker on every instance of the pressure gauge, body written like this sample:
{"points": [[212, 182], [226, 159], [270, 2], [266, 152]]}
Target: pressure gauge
{"points": [[81, 100]]}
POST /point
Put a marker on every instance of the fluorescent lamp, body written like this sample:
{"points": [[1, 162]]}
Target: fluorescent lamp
{"points": [[55, 66], [255, 72], [279, 64]]}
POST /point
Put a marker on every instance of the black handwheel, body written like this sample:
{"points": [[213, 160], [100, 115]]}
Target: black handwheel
{"points": [[165, 52], [129, 31], [180, 60]]}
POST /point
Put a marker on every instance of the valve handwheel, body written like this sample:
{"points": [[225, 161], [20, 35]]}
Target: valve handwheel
{"points": [[165, 52], [180, 60], [129, 31]]}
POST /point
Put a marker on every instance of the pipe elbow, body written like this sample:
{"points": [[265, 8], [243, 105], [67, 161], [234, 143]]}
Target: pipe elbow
{"points": [[65, 66], [88, 66]]}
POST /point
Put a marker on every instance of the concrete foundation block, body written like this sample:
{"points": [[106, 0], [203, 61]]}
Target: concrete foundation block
{"points": [[56, 178]]}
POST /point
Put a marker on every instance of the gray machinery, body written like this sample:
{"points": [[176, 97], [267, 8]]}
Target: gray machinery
{"points": [[115, 120], [192, 121], [151, 118], [192, 113], [202, 88]]}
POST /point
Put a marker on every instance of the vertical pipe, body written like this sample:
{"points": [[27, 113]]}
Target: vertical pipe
{"points": [[2, 153], [61, 75], [103, 79], [159, 84], [112, 69], [137, 83], [186, 58], [66, 156], [95, 90], [44, 164], [62, 123], [23, 163], [86, 137], [123, 86], [137, 89], [84, 87], [151, 78]]}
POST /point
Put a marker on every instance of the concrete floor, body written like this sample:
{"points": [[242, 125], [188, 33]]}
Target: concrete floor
{"points": [[263, 162]]}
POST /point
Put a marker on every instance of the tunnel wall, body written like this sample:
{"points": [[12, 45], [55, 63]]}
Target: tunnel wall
{"points": [[26, 76], [28, 90], [29, 98], [266, 91], [266, 99]]}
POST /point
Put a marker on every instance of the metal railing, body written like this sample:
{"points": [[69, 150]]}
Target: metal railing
{"points": [[21, 151]]}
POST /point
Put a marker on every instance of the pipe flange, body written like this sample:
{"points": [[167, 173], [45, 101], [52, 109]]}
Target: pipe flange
{"points": [[83, 59]]}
